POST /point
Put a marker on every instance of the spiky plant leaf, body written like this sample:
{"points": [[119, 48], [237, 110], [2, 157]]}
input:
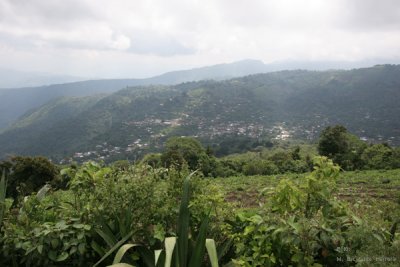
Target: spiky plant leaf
{"points": [[42, 192], [157, 254], [147, 256], [114, 248], [212, 252], [121, 252], [199, 248], [121, 265], [183, 223], [108, 238], [169, 249]]}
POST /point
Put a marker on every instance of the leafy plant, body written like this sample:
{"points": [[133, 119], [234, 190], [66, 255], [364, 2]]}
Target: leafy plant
{"points": [[35, 237], [302, 226], [181, 250]]}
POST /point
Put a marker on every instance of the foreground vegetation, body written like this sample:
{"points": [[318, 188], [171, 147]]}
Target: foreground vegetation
{"points": [[283, 206], [322, 218]]}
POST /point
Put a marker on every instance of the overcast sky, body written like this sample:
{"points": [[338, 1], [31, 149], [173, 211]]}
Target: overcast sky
{"points": [[140, 38]]}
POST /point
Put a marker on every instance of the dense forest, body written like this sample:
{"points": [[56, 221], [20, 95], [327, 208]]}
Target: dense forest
{"points": [[335, 203]]}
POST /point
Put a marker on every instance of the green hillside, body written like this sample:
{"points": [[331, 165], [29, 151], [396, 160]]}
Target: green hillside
{"points": [[287, 104], [15, 102]]}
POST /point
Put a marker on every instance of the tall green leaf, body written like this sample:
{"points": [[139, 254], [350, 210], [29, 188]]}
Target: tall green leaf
{"points": [[157, 254], [183, 223], [224, 248], [147, 256], [169, 249], [121, 265], [107, 235], [212, 252], [199, 248], [121, 252], [114, 248]]}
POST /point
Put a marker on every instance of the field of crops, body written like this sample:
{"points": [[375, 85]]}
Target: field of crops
{"points": [[371, 193], [353, 185]]}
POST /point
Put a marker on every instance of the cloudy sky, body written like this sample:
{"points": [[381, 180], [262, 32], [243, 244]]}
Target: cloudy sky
{"points": [[140, 38]]}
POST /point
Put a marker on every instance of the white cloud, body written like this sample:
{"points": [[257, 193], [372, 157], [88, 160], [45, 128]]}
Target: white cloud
{"points": [[143, 38]]}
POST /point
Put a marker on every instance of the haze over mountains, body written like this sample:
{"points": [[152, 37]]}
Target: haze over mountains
{"points": [[14, 79], [138, 119]]}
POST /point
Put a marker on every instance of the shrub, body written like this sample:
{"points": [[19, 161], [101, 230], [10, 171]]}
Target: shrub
{"points": [[303, 225]]}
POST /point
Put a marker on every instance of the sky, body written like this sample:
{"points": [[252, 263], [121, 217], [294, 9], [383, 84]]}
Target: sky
{"points": [[141, 38]]}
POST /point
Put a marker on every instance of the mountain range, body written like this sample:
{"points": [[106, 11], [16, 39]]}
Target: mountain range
{"points": [[10, 78], [294, 104], [15, 102]]}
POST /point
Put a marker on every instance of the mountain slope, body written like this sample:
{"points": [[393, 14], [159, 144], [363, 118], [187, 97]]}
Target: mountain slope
{"points": [[295, 103], [28, 131], [15, 102]]}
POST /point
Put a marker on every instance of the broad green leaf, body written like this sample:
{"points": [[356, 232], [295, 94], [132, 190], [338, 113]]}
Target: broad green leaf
{"points": [[54, 243], [159, 232], [81, 248], [52, 255], [40, 249], [78, 225], [81, 235], [63, 256]]}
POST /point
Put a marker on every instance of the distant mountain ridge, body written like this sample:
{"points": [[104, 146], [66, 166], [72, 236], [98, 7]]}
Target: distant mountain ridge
{"points": [[131, 121], [15, 102], [16, 79]]}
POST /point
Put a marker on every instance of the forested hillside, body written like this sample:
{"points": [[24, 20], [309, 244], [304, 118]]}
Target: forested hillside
{"points": [[15, 102], [282, 105]]}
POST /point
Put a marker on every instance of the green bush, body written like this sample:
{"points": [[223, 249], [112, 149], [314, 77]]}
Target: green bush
{"points": [[29, 174], [260, 167], [302, 225]]}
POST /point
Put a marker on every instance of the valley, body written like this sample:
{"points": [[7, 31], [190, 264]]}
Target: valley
{"points": [[134, 121]]}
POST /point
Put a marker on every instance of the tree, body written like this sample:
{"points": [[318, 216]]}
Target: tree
{"points": [[333, 141], [378, 156], [152, 159], [29, 174], [342, 147], [181, 150], [395, 162]]}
